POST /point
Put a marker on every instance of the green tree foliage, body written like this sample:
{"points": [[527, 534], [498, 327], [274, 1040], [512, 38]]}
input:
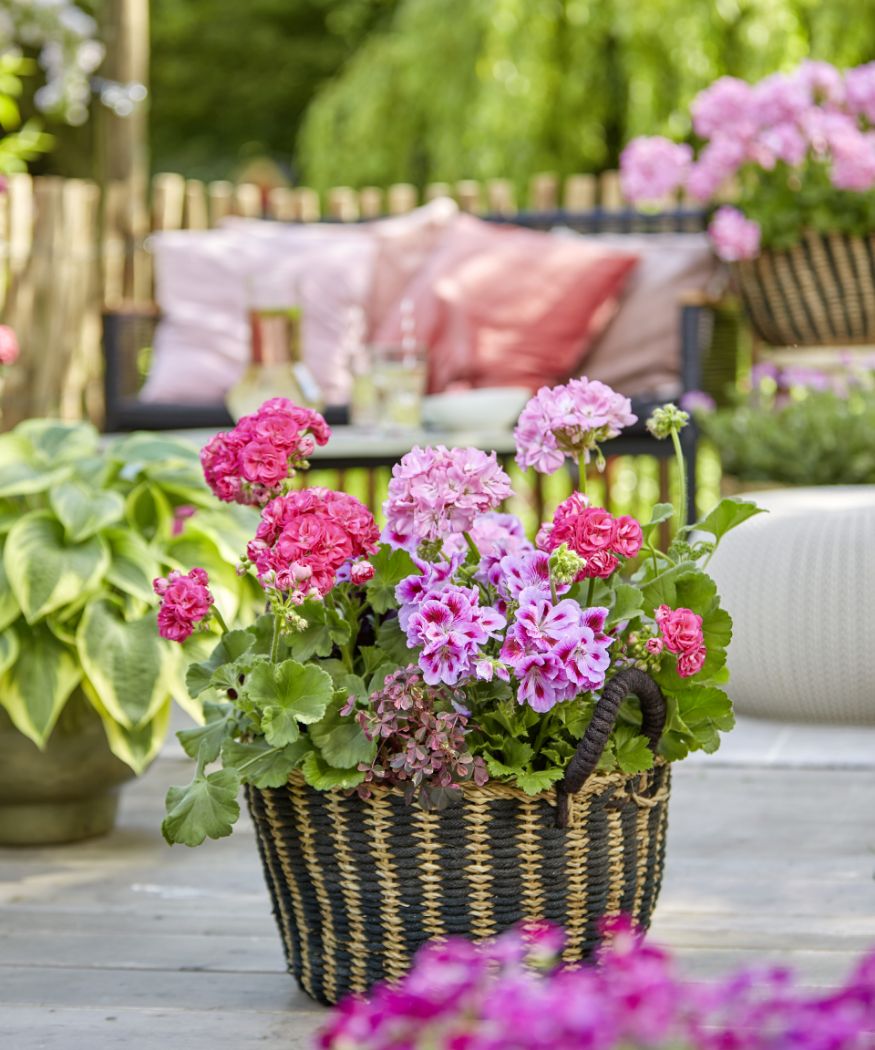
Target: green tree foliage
{"points": [[231, 80], [451, 89]]}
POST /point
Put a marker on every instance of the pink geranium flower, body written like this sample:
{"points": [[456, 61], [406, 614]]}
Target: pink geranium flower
{"points": [[734, 237], [436, 493], [569, 421], [185, 601], [726, 106], [681, 631], [305, 537], [652, 168], [250, 463], [594, 534]]}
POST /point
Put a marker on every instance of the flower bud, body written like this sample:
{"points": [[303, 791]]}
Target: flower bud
{"points": [[361, 572], [667, 420]]}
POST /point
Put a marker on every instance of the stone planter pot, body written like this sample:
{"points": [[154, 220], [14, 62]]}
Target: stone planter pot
{"points": [[798, 583], [65, 793]]}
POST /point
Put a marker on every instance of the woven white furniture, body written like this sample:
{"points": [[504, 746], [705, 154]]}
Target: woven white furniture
{"points": [[800, 585]]}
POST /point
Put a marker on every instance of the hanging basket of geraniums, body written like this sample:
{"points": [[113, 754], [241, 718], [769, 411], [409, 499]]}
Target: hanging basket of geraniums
{"points": [[457, 728], [799, 150]]}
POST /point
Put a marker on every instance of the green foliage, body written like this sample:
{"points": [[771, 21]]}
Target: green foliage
{"points": [[813, 437], [231, 81], [86, 529], [558, 87], [390, 568], [206, 807]]}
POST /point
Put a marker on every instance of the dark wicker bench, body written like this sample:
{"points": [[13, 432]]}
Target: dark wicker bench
{"points": [[708, 355]]}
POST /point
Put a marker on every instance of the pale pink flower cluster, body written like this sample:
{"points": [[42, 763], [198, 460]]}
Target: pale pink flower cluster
{"points": [[814, 113], [185, 601], [9, 349], [555, 650], [495, 536], [305, 537], [250, 463], [451, 627], [654, 168], [593, 533], [438, 492], [569, 420], [734, 237], [681, 631]]}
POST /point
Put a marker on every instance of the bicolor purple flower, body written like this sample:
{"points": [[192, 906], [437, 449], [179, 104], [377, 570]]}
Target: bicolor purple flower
{"points": [[432, 578], [451, 627], [495, 536], [529, 571]]}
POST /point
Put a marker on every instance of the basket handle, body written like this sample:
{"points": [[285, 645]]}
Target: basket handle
{"points": [[631, 681]]}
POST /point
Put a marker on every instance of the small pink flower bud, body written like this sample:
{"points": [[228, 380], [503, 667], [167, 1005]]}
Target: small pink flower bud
{"points": [[654, 645], [361, 572]]}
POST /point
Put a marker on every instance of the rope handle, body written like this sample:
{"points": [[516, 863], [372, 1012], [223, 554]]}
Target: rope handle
{"points": [[631, 681]]}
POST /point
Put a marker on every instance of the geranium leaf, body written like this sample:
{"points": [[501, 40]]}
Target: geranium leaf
{"points": [[206, 808], [728, 514], [286, 694], [323, 777], [534, 783], [234, 644], [390, 568], [265, 766], [341, 740], [631, 749], [206, 741], [626, 604]]}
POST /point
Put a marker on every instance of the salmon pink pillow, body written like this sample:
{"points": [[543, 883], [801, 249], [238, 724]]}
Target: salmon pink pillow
{"points": [[505, 306]]}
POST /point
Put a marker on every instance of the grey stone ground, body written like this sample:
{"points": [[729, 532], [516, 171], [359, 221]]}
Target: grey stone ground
{"points": [[124, 943]]}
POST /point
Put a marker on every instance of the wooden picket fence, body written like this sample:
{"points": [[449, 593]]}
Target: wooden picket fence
{"points": [[70, 247]]}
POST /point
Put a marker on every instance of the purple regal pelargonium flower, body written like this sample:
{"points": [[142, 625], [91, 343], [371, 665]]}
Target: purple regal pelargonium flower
{"points": [[437, 492], [433, 577], [555, 650], [569, 420], [495, 536], [451, 626], [529, 571]]}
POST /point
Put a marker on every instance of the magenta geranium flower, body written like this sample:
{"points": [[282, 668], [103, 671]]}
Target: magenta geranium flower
{"points": [[185, 601], [681, 631], [250, 463], [305, 537]]}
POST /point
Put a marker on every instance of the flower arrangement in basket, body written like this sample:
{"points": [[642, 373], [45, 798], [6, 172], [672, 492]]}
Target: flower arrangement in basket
{"points": [[798, 150], [439, 733]]}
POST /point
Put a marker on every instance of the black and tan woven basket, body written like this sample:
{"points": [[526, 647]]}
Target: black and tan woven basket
{"points": [[359, 885], [821, 292]]}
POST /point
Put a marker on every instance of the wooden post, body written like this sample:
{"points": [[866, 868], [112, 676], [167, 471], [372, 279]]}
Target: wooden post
{"points": [[544, 191]]}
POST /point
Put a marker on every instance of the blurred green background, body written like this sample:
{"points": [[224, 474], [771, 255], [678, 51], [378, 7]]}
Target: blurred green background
{"points": [[363, 92]]}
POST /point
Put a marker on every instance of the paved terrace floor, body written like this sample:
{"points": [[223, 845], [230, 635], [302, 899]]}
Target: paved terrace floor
{"points": [[124, 943]]}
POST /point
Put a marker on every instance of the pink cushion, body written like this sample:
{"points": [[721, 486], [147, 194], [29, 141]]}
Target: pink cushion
{"points": [[639, 352], [404, 246], [207, 280], [504, 306]]}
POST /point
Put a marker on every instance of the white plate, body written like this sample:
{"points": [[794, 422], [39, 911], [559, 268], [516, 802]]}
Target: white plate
{"points": [[496, 407]]}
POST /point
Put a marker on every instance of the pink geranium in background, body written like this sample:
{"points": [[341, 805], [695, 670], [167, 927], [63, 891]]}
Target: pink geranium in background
{"points": [[185, 601], [9, 348], [734, 236]]}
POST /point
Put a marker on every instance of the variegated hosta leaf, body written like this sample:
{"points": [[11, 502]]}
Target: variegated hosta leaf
{"points": [[22, 478], [134, 564], [149, 511], [140, 449], [135, 747], [55, 442], [37, 685], [126, 663], [9, 608], [45, 571], [84, 511], [9, 649]]}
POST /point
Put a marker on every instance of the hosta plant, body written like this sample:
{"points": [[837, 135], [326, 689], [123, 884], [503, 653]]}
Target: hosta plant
{"points": [[453, 647], [85, 526]]}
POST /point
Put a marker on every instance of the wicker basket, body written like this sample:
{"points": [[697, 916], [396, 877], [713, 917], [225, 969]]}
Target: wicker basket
{"points": [[359, 885], [819, 293]]}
